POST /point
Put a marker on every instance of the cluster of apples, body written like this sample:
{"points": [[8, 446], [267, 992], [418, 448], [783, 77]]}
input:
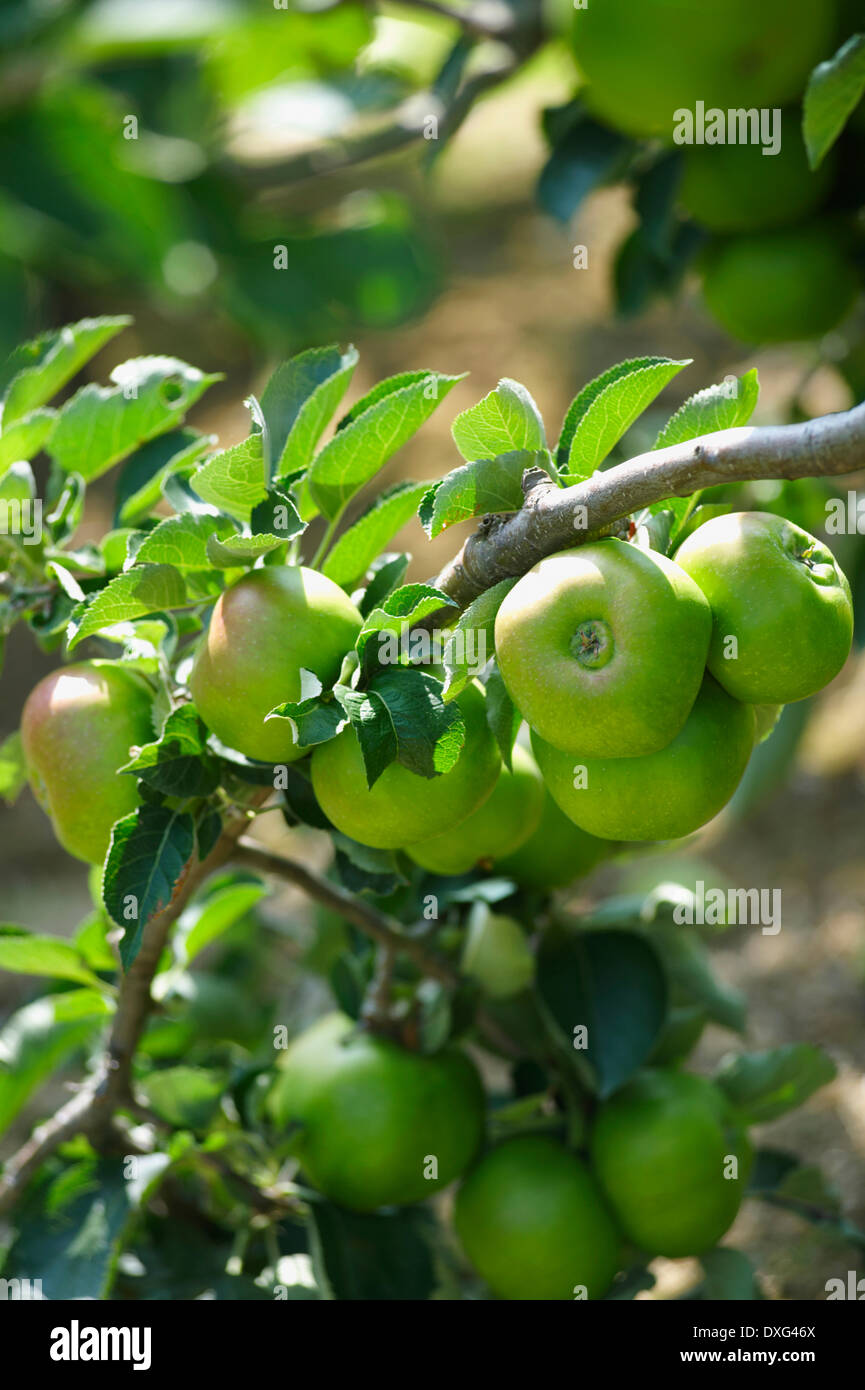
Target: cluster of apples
{"points": [[374, 1125], [778, 263], [645, 682]]}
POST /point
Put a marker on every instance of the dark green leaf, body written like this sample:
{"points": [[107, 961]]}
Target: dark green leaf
{"points": [[729, 1275], [763, 1085], [585, 155], [388, 572], [372, 1258], [834, 90], [315, 720], [71, 1236], [179, 762], [503, 716], [149, 852], [611, 983], [429, 734]]}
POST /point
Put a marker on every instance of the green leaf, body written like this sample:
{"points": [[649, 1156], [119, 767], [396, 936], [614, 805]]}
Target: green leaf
{"points": [[357, 547], [611, 983], [606, 409], [429, 734], [503, 716], [362, 447], [472, 640], [240, 550], [13, 768], [139, 591], [277, 516], [298, 401], [729, 1276], [486, 485], [233, 480], [691, 979], [37, 370], [504, 422], [23, 439], [763, 1085], [722, 407], [400, 610], [374, 728], [381, 1258], [179, 762], [584, 156], [150, 849], [182, 541], [315, 720], [187, 1097], [213, 912], [101, 425], [834, 91], [71, 1235], [365, 870], [140, 483], [24, 953], [36, 1038], [388, 572]]}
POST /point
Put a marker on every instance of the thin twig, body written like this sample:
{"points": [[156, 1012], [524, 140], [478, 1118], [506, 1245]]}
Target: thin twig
{"points": [[92, 1109], [387, 931]]}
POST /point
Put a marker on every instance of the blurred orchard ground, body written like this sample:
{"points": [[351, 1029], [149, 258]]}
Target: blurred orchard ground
{"points": [[453, 267]]}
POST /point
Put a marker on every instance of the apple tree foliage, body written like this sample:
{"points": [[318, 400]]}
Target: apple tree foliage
{"points": [[190, 518]]}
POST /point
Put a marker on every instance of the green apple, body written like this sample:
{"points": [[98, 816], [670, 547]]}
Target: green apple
{"points": [[780, 286], [77, 728], [663, 795], [265, 629], [534, 1223], [602, 648], [739, 188], [496, 953], [556, 854], [379, 1126], [402, 807], [644, 62], [672, 1162], [782, 612], [504, 821]]}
